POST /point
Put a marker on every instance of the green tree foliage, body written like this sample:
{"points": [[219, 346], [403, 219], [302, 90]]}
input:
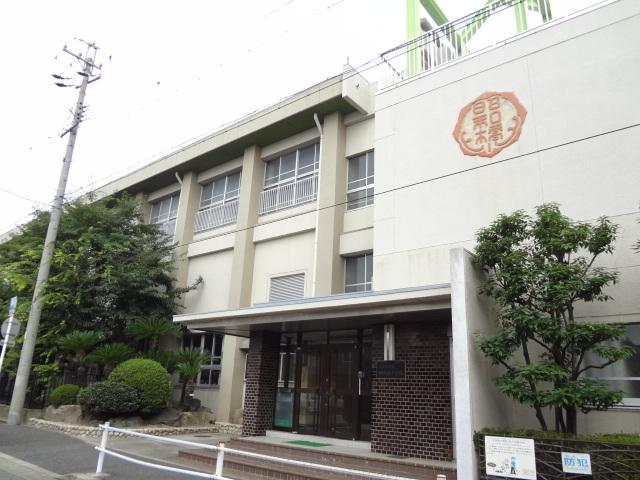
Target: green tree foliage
{"points": [[149, 378], [64, 395], [105, 399], [538, 269], [109, 269], [150, 329]]}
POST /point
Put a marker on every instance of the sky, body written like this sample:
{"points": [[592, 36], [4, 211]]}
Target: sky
{"points": [[171, 72]]}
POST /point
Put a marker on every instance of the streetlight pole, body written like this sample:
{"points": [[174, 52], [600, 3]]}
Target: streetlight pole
{"points": [[31, 332]]}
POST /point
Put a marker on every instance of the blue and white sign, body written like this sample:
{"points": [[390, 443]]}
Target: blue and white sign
{"points": [[576, 463]]}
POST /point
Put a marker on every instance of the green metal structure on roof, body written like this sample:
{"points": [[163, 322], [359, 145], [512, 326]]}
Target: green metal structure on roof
{"points": [[460, 35]]}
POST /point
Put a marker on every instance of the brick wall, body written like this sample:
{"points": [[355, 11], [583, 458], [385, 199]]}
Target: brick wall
{"points": [[261, 377], [412, 417]]}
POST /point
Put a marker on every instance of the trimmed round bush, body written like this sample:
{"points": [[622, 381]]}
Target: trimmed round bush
{"points": [[149, 378], [64, 395], [109, 398]]}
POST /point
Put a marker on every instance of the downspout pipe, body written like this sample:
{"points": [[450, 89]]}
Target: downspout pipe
{"points": [[315, 237]]}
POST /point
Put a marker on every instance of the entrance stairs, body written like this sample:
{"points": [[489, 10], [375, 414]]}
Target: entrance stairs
{"points": [[337, 454]]}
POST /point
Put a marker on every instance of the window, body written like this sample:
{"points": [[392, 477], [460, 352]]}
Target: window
{"points": [[623, 375], [165, 212], [358, 273], [211, 344], [218, 203], [360, 181], [291, 179], [221, 190], [287, 287]]}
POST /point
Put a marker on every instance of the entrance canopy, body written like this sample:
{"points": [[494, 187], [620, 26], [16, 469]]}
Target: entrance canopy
{"points": [[349, 310]]}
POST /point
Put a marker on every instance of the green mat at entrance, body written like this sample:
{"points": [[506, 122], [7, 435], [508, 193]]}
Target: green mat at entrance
{"points": [[306, 443]]}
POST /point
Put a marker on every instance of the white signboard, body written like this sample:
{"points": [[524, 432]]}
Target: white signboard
{"points": [[510, 457], [576, 463]]}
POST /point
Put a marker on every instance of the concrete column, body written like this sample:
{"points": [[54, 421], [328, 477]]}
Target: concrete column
{"points": [[146, 206], [244, 249], [329, 274], [232, 372], [260, 396], [187, 208]]}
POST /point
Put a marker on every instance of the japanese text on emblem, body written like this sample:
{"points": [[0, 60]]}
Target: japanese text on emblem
{"points": [[489, 124]]}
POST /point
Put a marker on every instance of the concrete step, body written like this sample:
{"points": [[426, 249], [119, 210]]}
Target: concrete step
{"points": [[244, 468]]}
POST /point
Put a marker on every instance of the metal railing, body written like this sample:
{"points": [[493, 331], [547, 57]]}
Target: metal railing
{"points": [[289, 195], [220, 450], [462, 37], [215, 216]]}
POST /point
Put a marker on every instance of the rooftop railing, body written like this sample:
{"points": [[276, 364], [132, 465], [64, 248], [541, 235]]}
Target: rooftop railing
{"points": [[483, 29]]}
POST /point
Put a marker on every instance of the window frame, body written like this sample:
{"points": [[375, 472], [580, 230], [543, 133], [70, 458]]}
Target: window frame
{"points": [[198, 340], [296, 171], [601, 374], [171, 215], [368, 285], [226, 198], [369, 181]]}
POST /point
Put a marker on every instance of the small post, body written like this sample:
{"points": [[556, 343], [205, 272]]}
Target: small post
{"points": [[103, 446], [219, 461]]}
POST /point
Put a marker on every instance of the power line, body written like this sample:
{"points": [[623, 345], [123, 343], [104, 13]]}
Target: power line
{"points": [[23, 197]]}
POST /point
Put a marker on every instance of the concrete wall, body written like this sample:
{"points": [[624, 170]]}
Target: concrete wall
{"points": [[574, 84]]}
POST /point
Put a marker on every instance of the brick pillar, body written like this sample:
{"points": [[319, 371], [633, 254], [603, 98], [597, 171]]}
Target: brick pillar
{"points": [[261, 377], [412, 417]]}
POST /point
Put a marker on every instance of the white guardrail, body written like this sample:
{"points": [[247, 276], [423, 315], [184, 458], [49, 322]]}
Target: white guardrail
{"points": [[221, 450]]}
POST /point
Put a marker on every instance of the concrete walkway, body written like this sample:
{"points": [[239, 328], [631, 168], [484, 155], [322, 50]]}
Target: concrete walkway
{"points": [[29, 454]]}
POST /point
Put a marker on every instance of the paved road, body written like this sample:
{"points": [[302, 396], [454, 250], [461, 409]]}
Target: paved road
{"points": [[28, 454]]}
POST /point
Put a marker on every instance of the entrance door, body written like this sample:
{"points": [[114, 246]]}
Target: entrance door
{"points": [[328, 391]]}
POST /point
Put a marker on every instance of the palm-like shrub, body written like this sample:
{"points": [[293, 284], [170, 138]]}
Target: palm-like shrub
{"points": [[167, 358], [149, 378], [151, 329], [79, 342], [112, 354], [190, 361]]}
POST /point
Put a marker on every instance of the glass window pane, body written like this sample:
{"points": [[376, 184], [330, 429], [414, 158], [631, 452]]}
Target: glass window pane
{"points": [[351, 276], [174, 206], [370, 166], [205, 197], [163, 209], [271, 172], [233, 185], [306, 160], [205, 377], [217, 351], [155, 212], [369, 268], [357, 168], [288, 166]]}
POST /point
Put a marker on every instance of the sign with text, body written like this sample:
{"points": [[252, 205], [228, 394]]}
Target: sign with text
{"points": [[390, 369], [576, 463], [510, 457], [489, 124]]}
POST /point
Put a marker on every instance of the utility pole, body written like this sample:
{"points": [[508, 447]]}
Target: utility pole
{"points": [[31, 333]]}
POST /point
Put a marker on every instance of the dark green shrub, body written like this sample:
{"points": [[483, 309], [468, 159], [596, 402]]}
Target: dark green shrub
{"points": [[109, 398], [149, 378], [64, 395]]}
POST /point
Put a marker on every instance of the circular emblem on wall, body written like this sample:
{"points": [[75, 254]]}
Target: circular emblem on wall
{"points": [[489, 124]]}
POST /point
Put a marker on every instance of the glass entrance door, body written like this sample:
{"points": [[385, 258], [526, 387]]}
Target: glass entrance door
{"points": [[324, 384]]}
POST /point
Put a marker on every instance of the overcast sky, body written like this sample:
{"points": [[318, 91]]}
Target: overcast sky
{"points": [[178, 70]]}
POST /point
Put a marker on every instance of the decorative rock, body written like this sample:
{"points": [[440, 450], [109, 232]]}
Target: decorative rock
{"points": [[128, 422], [168, 416], [64, 413], [192, 419]]}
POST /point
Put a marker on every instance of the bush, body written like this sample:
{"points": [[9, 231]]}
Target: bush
{"points": [[64, 395], [109, 398], [149, 378]]}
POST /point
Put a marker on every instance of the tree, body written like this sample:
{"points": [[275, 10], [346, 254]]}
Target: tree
{"points": [[109, 269], [190, 361], [538, 270]]}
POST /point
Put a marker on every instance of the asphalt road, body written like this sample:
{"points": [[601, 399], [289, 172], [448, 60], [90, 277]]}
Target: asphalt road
{"points": [[63, 454]]}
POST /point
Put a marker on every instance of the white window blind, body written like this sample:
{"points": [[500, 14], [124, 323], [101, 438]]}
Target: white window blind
{"points": [[287, 287]]}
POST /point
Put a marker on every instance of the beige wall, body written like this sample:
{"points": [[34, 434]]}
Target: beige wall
{"points": [[564, 76], [283, 256], [213, 293]]}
